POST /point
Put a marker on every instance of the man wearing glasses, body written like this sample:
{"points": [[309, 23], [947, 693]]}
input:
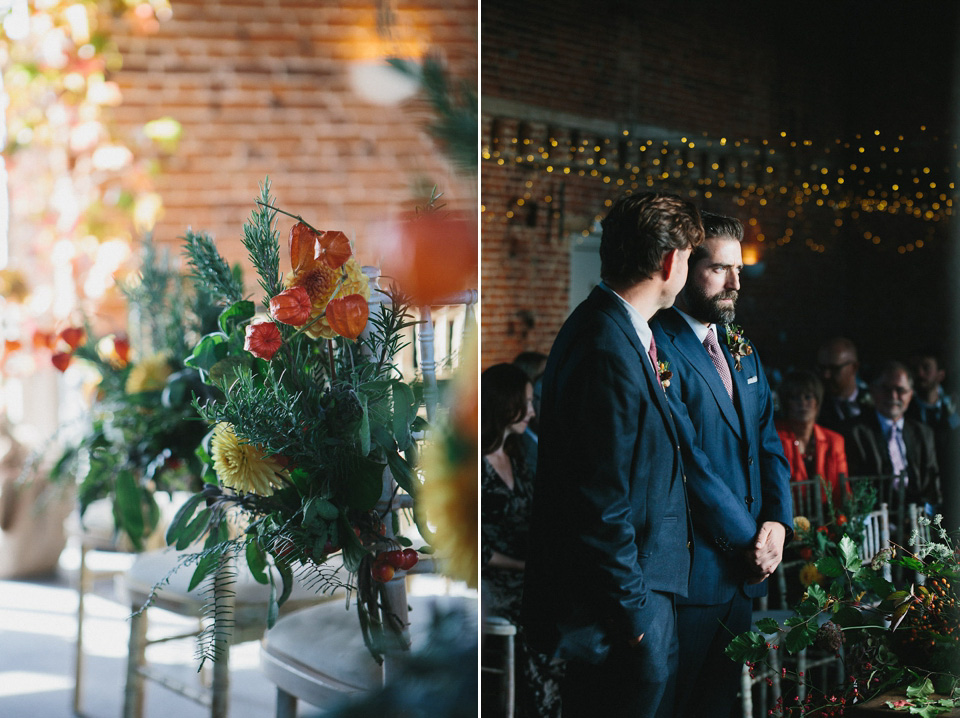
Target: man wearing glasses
{"points": [[883, 442], [844, 398]]}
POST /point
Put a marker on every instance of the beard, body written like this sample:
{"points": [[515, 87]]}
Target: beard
{"points": [[709, 309]]}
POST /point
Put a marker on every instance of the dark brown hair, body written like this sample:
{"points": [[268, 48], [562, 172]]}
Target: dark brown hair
{"points": [[503, 401], [716, 225], [639, 230]]}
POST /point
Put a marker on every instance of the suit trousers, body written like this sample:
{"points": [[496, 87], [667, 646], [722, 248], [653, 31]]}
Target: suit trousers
{"points": [[708, 681], [639, 682]]}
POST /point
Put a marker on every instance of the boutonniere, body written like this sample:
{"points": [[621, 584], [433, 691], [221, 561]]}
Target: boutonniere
{"points": [[738, 344], [663, 370]]}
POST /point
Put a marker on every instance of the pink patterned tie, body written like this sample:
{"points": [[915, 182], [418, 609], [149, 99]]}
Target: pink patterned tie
{"points": [[653, 358], [713, 349], [896, 454]]}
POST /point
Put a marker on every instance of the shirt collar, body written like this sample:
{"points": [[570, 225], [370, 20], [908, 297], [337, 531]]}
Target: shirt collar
{"points": [[699, 328], [636, 318], [887, 424]]}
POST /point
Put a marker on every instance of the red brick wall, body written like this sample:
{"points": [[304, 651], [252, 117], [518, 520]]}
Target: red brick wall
{"points": [[263, 89], [710, 74]]}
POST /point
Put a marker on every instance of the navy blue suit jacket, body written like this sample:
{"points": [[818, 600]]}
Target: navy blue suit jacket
{"points": [[610, 519], [737, 475]]}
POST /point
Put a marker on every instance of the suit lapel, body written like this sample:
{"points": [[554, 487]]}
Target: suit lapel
{"points": [[741, 396], [686, 341], [612, 307]]}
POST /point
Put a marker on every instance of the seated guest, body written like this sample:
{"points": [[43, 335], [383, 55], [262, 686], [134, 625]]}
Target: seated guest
{"points": [[937, 409], [811, 449], [845, 398], [506, 494], [532, 364], [884, 442]]}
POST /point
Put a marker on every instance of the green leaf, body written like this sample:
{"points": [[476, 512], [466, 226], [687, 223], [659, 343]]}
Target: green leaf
{"points": [[235, 314], [829, 566], [273, 608], [921, 690], [211, 349], [129, 509], [224, 372], [364, 430], [194, 529], [848, 553], [256, 560], [326, 510], [749, 646], [816, 593], [286, 573], [353, 550], [402, 473], [800, 637], [768, 625], [182, 517], [403, 540], [403, 413], [205, 566]]}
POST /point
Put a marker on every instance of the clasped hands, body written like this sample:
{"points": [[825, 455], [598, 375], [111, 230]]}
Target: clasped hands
{"points": [[767, 551]]}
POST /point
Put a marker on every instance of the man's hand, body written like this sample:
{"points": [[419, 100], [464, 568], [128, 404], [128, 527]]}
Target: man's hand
{"points": [[767, 550]]}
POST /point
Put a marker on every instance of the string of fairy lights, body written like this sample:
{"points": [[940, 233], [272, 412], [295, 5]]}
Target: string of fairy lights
{"points": [[790, 187]]}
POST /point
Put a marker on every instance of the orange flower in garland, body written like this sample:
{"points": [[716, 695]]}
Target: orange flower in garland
{"points": [[291, 306], [263, 339], [347, 316], [321, 263]]}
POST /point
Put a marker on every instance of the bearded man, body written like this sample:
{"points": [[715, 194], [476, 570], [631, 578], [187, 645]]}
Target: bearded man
{"points": [[737, 476]]}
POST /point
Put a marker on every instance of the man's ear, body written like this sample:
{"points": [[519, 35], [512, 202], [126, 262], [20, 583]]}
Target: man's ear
{"points": [[670, 261]]}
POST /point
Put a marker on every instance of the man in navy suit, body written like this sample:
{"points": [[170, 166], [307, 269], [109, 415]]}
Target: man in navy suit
{"points": [[737, 476], [610, 536]]}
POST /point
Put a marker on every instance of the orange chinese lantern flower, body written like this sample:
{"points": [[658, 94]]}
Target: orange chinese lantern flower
{"points": [[73, 336], [11, 345], [312, 255], [43, 339], [434, 256], [347, 316], [263, 340], [332, 248], [291, 306], [121, 347], [61, 360]]}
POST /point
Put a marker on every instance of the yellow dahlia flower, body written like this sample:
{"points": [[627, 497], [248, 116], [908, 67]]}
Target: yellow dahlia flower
{"points": [[320, 281], [149, 374], [449, 492], [244, 467], [810, 575]]}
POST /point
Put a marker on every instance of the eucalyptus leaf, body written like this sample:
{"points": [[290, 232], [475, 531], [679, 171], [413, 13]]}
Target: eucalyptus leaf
{"points": [[182, 517], [256, 561], [403, 413], [402, 473], [193, 530], [129, 509]]}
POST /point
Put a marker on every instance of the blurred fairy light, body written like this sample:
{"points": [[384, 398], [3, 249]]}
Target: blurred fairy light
{"points": [[16, 23]]}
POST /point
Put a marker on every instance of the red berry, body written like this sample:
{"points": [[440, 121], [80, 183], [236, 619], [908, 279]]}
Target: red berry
{"points": [[381, 571], [394, 558], [410, 558]]}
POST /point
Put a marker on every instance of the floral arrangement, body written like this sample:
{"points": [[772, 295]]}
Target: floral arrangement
{"points": [[663, 371], [905, 639], [143, 430], [313, 440], [737, 343]]}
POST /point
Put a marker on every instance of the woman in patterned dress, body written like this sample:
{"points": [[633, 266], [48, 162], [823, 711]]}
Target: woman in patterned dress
{"points": [[506, 499]]}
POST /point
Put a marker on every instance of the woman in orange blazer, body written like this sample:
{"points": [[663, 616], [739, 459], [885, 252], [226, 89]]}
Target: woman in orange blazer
{"points": [[811, 449]]}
